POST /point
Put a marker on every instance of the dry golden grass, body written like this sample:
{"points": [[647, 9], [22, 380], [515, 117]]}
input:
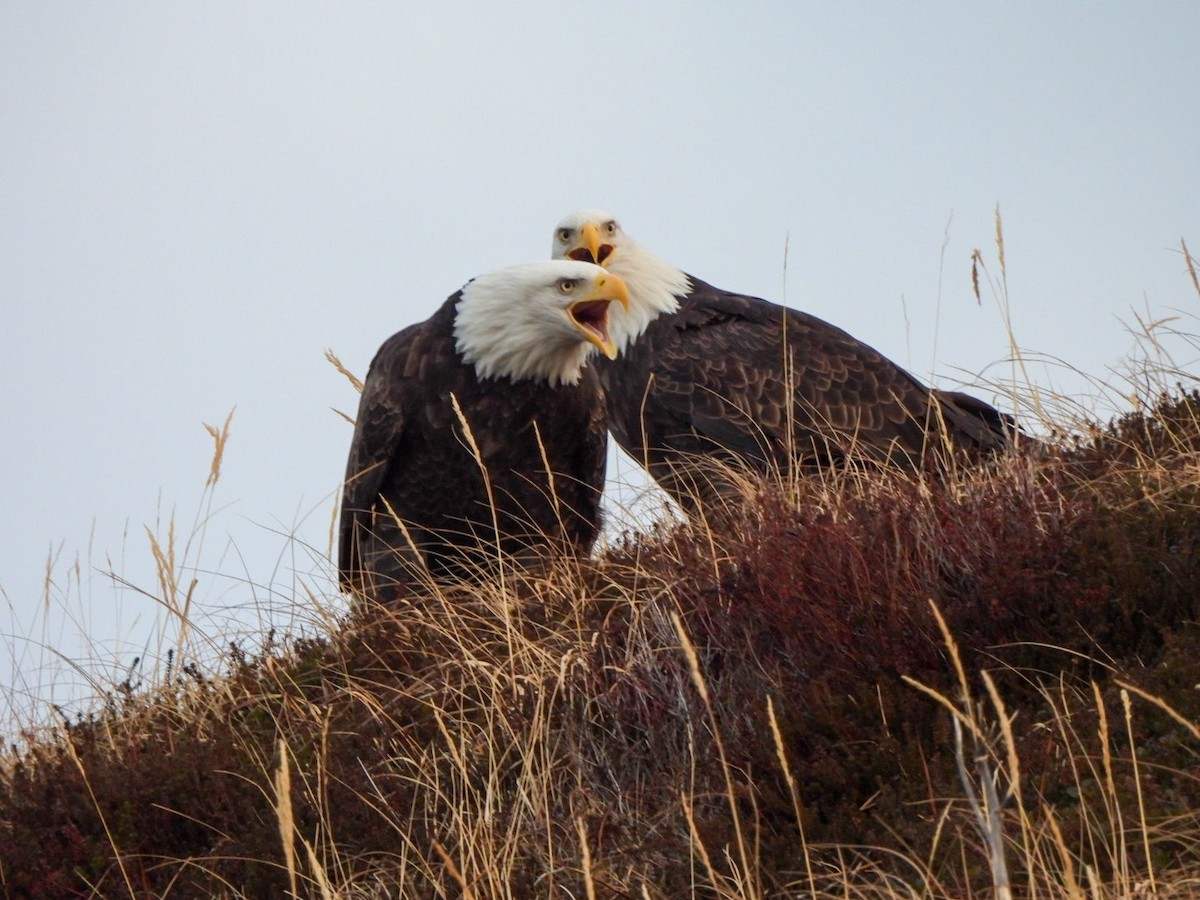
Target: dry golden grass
{"points": [[478, 700]]}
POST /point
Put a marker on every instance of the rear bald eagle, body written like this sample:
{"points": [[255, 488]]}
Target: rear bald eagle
{"points": [[510, 349], [706, 373]]}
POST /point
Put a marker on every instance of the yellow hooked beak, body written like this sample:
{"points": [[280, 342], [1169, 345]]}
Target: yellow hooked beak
{"points": [[589, 247], [590, 312]]}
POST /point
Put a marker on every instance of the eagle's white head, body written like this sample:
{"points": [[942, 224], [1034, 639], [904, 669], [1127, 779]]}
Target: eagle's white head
{"points": [[592, 235], [539, 320]]}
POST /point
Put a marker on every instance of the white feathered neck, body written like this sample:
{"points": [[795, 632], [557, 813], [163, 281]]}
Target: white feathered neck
{"points": [[513, 322], [655, 287]]}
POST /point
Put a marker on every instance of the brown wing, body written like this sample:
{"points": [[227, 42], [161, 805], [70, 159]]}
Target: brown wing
{"points": [[990, 428], [392, 412], [387, 401], [714, 379]]}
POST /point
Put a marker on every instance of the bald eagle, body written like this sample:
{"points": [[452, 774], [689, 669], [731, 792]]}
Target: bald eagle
{"points": [[424, 496], [707, 373]]}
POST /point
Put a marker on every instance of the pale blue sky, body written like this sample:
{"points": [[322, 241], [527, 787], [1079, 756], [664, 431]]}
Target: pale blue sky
{"points": [[197, 199]]}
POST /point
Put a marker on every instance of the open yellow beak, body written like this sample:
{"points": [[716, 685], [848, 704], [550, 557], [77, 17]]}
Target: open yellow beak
{"points": [[590, 248], [590, 312]]}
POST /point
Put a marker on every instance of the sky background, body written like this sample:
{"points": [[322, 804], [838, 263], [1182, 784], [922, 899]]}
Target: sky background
{"points": [[197, 199]]}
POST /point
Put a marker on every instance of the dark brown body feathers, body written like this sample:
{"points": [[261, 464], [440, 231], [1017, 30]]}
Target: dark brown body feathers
{"points": [[409, 453]]}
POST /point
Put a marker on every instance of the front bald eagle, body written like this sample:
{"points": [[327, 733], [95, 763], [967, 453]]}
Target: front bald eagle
{"points": [[706, 373], [510, 348]]}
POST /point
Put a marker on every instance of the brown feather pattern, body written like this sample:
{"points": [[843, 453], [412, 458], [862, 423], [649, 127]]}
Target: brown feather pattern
{"points": [[710, 380]]}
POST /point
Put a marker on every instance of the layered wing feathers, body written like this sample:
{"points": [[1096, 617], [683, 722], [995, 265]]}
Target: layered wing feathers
{"points": [[737, 375]]}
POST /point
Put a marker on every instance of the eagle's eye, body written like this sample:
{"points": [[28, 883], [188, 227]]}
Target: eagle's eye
{"points": [[610, 228], [566, 285], [564, 235]]}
